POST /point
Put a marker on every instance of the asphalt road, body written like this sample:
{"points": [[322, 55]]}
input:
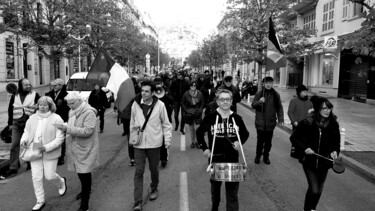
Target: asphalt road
{"points": [[184, 184]]}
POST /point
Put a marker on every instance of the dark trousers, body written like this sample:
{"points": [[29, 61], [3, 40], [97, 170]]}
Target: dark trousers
{"points": [[63, 149], [163, 152], [231, 193], [264, 143], [17, 131], [85, 179], [153, 157], [176, 110], [101, 118], [315, 179], [126, 127]]}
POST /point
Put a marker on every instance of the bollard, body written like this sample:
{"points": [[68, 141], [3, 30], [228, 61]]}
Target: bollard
{"points": [[342, 142]]}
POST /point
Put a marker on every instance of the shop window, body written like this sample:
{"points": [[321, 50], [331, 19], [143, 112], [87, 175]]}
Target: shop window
{"points": [[328, 67]]}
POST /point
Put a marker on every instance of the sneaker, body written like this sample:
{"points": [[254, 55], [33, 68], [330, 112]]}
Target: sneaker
{"points": [[176, 128], [39, 206], [10, 173], [132, 163], [257, 160], [63, 188], [266, 161], [137, 206], [182, 132], [154, 194]]}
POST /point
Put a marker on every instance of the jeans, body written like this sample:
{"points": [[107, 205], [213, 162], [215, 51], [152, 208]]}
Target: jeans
{"points": [[48, 168], [176, 110], [193, 128], [86, 181], [140, 155], [17, 131], [231, 193], [264, 143], [315, 179]]}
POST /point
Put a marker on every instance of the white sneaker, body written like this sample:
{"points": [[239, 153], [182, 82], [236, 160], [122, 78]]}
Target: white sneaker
{"points": [[63, 188], [39, 206]]}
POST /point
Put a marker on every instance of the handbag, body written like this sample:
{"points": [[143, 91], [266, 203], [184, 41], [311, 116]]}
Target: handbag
{"points": [[6, 135], [30, 154], [136, 133]]}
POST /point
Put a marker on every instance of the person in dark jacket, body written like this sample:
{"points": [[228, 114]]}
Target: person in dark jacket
{"points": [[178, 89], [208, 91], [162, 93], [318, 133], [268, 106], [124, 116], [58, 94], [227, 84], [98, 100], [226, 145]]}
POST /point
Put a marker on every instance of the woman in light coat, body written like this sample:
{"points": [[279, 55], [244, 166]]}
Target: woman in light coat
{"points": [[82, 143], [39, 129]]}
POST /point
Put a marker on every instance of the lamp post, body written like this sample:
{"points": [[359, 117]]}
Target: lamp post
{"points": [[79, 39]]}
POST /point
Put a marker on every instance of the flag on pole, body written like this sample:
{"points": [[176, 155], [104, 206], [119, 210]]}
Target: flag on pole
{"points": [[107, 73], [275, 58]]}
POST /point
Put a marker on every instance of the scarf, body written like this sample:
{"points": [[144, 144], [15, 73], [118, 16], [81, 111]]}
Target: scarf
{"points": [[74, 113], [193, 95], [40, 125]]}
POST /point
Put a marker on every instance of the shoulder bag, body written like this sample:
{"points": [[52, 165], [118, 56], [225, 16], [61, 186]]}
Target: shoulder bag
{"points": [[29, 153], [136, 133]]}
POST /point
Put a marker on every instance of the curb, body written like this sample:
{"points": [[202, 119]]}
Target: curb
{"points": [[358, 168]]}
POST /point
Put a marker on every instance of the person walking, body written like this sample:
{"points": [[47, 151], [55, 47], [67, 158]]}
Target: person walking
{"points": [[98, 100], [267, 104], [162, 93], [124, 116], [39, 129], [21, 106], [157, 128], [82, 144], [192, 103], [178, 89], [228, 85], [58, 94], [226, 145], [298, 110], [318, 133]]}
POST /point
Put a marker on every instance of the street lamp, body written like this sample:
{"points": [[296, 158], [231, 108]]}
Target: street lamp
{"points": [[79, 38]]}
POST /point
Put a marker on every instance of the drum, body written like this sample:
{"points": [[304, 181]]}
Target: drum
{"points": [[228, 172]]}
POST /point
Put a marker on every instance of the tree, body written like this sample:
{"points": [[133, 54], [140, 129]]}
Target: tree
{"points": [[247, 24], [362, 41], [195, 59]]}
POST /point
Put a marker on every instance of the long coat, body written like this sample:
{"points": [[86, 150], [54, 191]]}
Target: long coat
{"points": [[82, 141]]}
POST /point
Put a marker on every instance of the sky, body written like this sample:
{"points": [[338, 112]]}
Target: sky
{"points": [[174, 17]]}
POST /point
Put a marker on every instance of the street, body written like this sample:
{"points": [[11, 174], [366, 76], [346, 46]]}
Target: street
{"points": [[184, 183]]}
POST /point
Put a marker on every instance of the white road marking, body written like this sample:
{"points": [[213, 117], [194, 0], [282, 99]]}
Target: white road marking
{"points": [[184, 199], [182, 147]]}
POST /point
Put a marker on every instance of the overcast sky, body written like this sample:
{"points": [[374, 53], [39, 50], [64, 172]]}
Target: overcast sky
{"points": [[201, 15]]}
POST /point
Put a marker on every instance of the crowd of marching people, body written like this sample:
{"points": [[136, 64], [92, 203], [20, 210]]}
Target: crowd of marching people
{"points": [[47, 129]]}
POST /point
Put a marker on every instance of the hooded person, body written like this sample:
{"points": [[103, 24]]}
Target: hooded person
{"points": [[299, 106]]}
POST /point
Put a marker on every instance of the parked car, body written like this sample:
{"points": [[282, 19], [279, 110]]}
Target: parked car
{"points": [[77, 82]]}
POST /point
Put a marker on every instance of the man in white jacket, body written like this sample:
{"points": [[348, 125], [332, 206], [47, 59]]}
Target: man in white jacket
{"points": [[157, 127]]}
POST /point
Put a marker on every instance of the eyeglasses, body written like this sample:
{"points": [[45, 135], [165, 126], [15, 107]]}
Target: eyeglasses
{"points": [[193, 85], [228, 81], [326, 109], [224, 100]]}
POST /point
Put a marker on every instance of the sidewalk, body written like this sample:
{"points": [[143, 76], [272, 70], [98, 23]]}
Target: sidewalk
{"points": [[358, 119]]}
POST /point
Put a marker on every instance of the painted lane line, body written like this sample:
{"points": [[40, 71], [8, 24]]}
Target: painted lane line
{"points": [[182, 147], [184, 199]]}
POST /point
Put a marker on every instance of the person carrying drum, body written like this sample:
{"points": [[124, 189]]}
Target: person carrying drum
{"points": [[226, 145]]}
